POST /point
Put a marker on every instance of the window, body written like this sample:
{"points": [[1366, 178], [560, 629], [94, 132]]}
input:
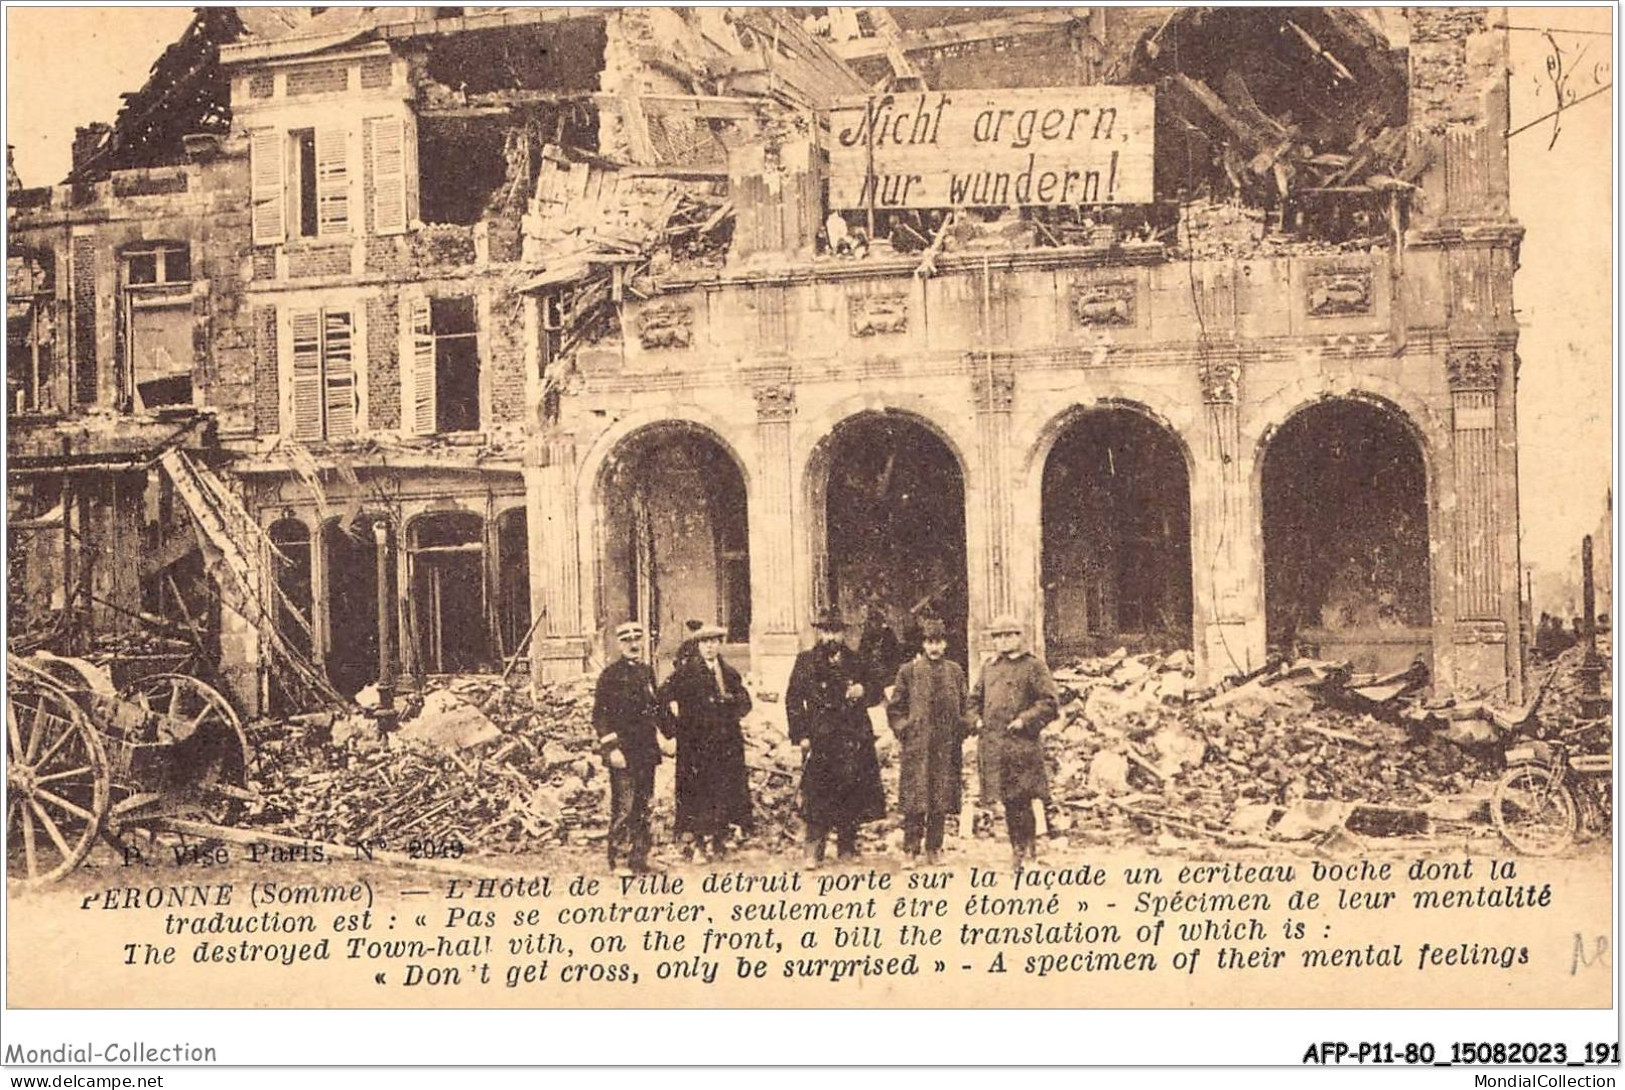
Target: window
{"points": [[29, 333], [300, 183], [157, 322], [324, 394], [444, 364]]}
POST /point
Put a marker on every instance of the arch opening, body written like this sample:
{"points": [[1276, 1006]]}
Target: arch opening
{"points": [[1345, 523], [1116, 544], [675, 543], [513, 579], [350, 560], [890, 494]]}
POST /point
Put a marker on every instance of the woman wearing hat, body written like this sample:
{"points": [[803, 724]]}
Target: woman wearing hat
{"points": [[827, 704], [927, 713], [713, 787], [1014, 699]]}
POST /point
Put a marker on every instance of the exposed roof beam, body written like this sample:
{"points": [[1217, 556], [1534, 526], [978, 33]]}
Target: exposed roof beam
{"points": [[1036, 21]]}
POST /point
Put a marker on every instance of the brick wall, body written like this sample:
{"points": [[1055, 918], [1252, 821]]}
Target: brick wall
{"points": [[267, 412], [383, 364], [388, 255], [332, 260], [265, 263], [85, 372], [507, 359]]}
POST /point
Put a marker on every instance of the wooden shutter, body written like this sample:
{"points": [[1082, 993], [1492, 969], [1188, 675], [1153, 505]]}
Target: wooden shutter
{"points": [[267, 178], [338, 368], [307, 374], [332, 181], [387, 137], [420, 359]]}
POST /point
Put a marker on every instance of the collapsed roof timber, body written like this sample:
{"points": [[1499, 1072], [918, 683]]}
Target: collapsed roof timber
{"points": [[515, 319]]}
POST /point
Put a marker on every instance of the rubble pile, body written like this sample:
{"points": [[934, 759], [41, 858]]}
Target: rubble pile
{"points": [[1292, 752], [476, 762]]}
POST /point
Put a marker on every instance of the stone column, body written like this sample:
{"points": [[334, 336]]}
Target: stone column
{"points": [[993, 387], [773, 585], [1479, 630], [558, 649], [1227, 562]]}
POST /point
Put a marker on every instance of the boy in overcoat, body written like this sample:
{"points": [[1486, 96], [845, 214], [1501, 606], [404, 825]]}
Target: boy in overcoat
{"points": [[1014, 698], [927, 713]]}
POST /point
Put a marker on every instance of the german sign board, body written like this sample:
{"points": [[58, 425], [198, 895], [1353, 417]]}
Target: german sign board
{"points": [[984, 148]]}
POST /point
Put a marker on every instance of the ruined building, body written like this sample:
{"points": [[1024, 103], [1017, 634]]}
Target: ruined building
{"points": [[1156, 327]]}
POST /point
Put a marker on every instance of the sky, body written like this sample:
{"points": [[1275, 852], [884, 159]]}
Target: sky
{"points": [[1560, 193]]}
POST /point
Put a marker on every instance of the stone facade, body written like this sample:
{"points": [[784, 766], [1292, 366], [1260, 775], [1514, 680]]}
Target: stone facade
{"points": [[779, 367]]}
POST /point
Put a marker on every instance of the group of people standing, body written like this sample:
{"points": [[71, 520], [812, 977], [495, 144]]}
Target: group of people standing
{"points": [[930, 708]]}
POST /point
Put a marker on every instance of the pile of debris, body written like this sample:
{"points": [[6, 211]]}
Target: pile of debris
{"points": [[476, 762], [1291, 752]]}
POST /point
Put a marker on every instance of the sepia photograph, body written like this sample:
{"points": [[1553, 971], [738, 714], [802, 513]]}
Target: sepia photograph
{"points": [[794, 507]]}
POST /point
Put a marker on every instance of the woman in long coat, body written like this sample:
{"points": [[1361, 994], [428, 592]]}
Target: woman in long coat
{"points": [[927, 713], [713, 786], [827, 705]]}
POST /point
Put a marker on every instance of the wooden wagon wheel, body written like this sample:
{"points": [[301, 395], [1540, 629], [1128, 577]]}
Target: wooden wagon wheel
{"points": [[57, 779], [210, 751]]}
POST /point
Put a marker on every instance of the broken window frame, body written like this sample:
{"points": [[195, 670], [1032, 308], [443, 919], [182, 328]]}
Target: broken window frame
{"points": [[170, 289], [34, 395], [472, 532], [423, 355], [323, 373]]}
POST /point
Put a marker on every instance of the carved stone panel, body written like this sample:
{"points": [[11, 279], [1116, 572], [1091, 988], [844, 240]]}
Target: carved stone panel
{"points": [[1474, 368], [872, 314], [775, 402], [1339, 293], [1110, 304], [993, 383], [666, 325], [1221, 381]]}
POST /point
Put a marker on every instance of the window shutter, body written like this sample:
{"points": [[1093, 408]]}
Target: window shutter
{"points": [[338, 367], [266, 181], [424, 405], [332, 181], [307, 374], [388, 140]]}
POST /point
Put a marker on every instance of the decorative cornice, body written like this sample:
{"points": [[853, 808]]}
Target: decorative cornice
{"points": [[775, 403]]}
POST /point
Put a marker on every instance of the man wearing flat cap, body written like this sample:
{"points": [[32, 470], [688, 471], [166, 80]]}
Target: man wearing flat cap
{"points": [[713, 785], [827, 704], [1014, 699], [626, 713], [927, 713]]}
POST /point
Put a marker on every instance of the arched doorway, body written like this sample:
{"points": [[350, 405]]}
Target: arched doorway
{"points": [[350, 573], [1345, 519], [449, 610], [291, 539], [1116, 567], [674, 536], [887, 496], [513, 579]]}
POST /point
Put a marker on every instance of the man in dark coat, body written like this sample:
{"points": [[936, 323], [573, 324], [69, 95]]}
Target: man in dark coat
{"points": [[927, 712], [1014, 698], [827, 704], [626, 714], [713, 786]]}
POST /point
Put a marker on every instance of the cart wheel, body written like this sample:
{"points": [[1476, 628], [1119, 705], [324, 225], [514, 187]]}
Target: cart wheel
{"points": [[57, 775], [213, 753], [1534, 811]]}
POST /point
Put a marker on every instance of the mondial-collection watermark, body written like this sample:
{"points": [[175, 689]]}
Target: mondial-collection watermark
{"points": [[1529, 1082], [136, 1052]]}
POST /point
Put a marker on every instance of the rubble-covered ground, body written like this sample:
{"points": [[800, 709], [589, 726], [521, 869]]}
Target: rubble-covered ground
{"points": [[1307, 756]]}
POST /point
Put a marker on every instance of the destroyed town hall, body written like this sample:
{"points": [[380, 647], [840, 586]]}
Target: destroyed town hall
{"points": [[446, 336]]}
